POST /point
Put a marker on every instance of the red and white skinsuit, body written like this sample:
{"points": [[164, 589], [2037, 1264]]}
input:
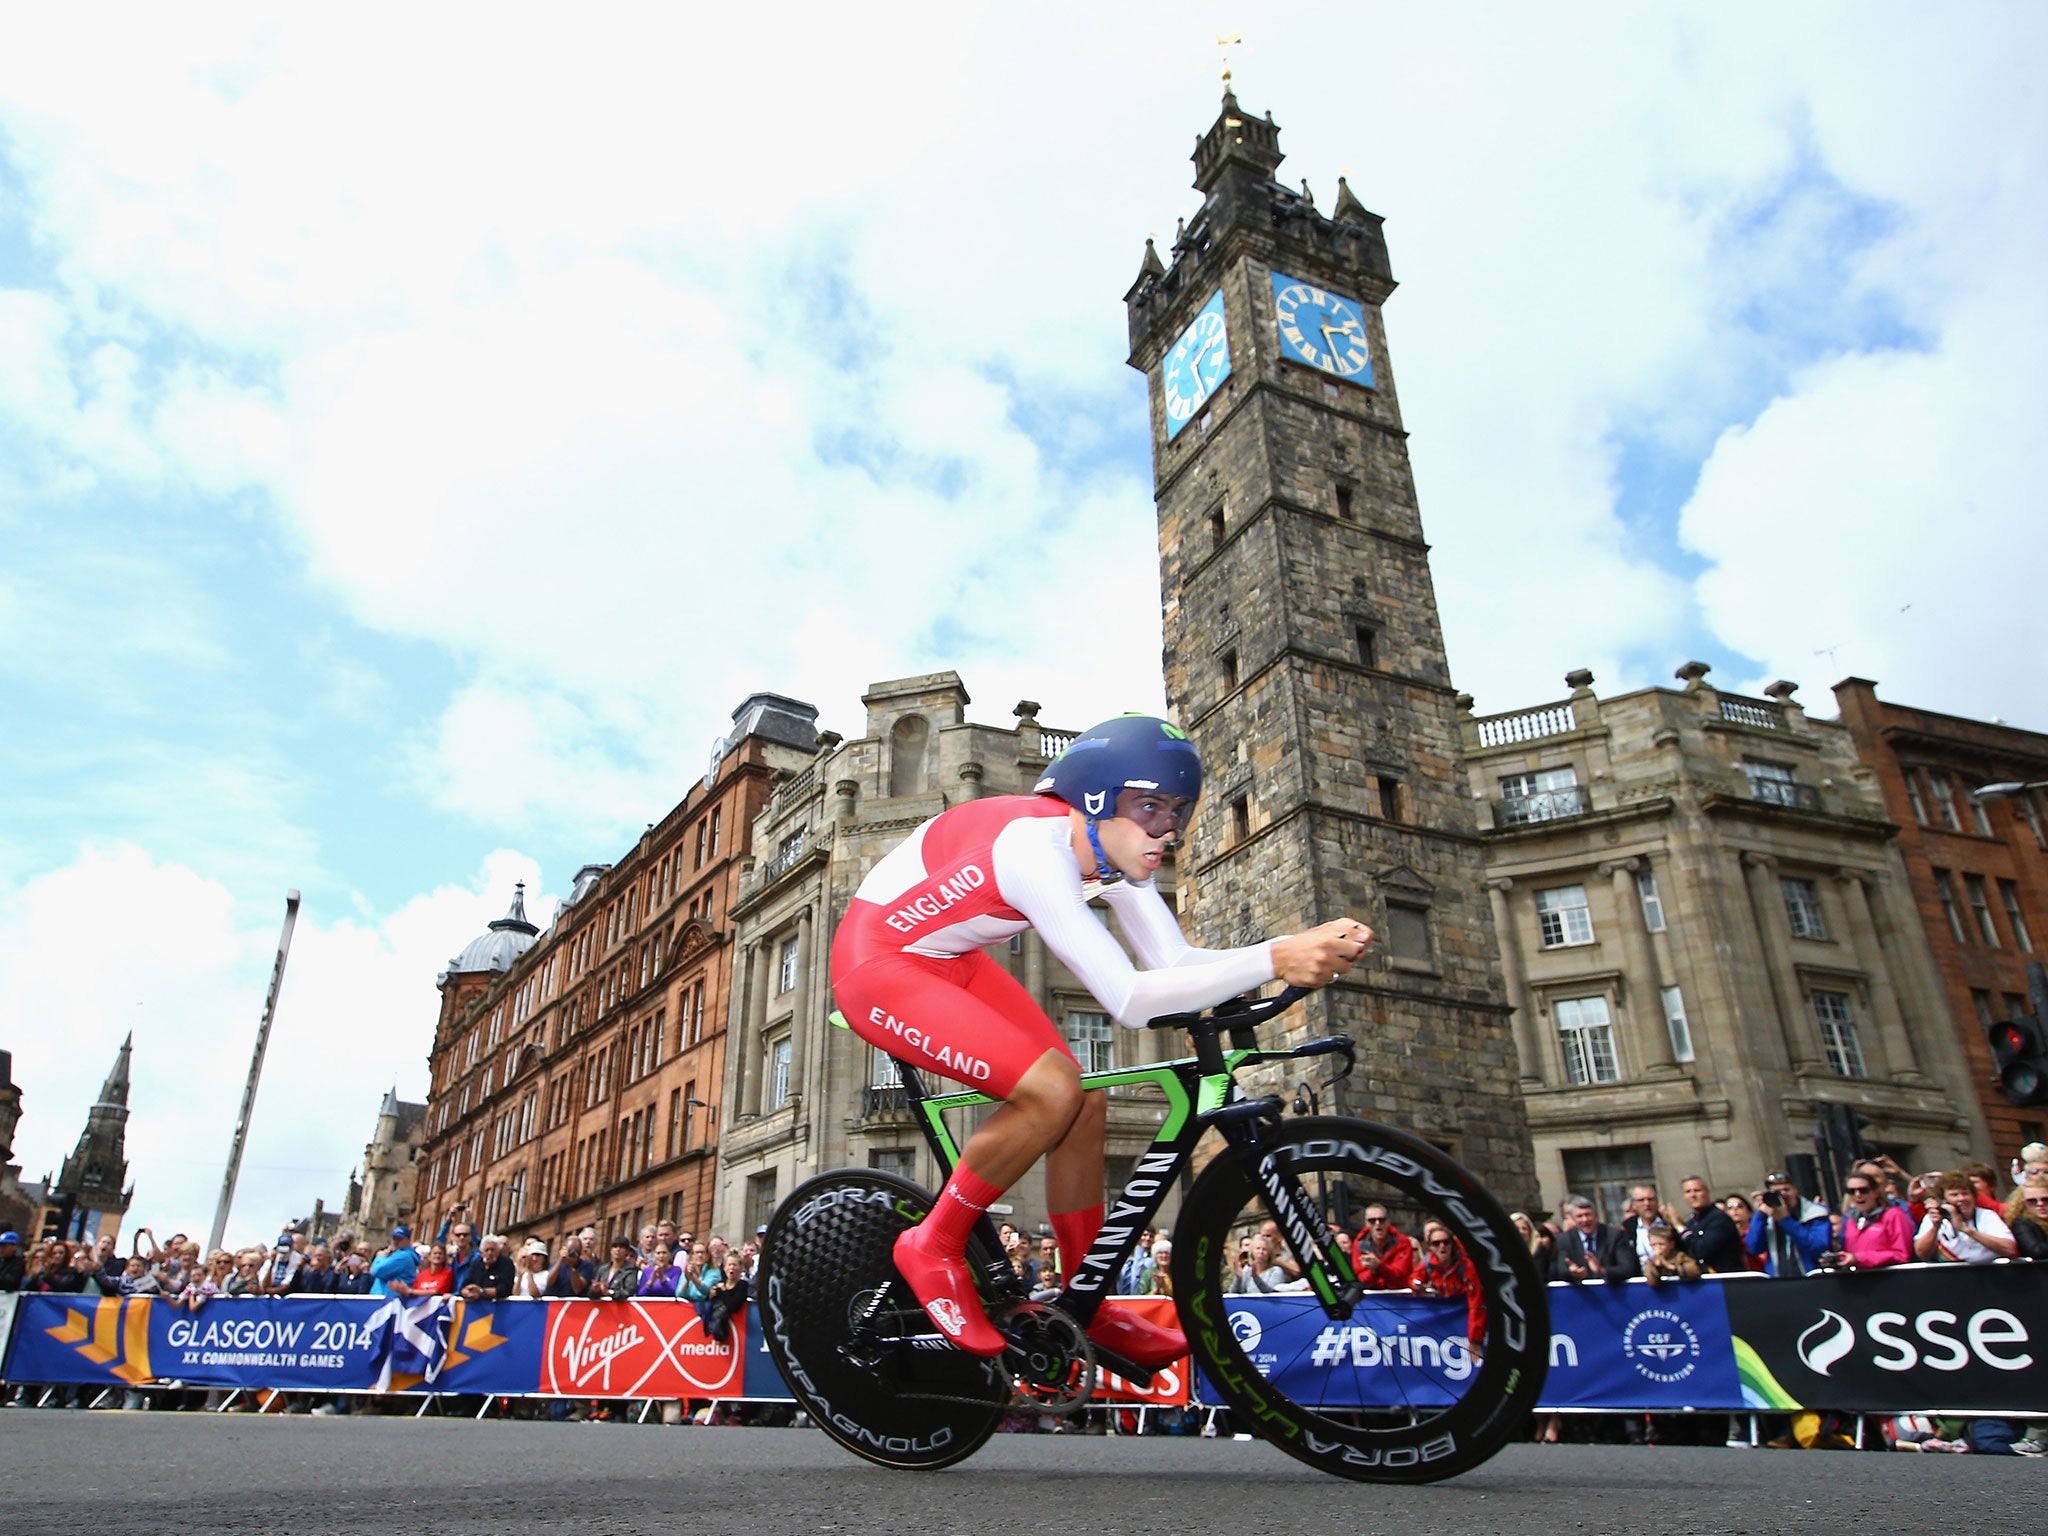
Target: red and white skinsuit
{"points": [[911, 978]]}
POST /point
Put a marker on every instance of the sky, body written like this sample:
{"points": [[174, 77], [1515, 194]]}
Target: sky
{"points": [[418, 431]]}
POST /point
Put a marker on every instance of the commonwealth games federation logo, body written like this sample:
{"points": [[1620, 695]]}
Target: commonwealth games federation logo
{"points": [[1661, 1345], [1247, 1330]]}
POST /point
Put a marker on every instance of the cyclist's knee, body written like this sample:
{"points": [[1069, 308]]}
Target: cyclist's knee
{"points": [[1051, 1091]]}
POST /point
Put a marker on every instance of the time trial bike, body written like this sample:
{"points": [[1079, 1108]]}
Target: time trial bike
{"points": [[1381, 1385]]}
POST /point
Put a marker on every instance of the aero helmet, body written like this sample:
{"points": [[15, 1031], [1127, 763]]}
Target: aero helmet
{"points": [[1129, 752]]}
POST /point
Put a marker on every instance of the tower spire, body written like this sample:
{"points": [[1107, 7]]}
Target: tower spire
{"points": [[114, 1091]]}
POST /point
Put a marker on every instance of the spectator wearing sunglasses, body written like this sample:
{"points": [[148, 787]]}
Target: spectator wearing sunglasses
{"points": [[1876, 1231], [1384, 1256], [2027, 1215]]}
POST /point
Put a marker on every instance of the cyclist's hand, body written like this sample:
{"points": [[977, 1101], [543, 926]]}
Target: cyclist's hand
{"points": [[1320, 955]]}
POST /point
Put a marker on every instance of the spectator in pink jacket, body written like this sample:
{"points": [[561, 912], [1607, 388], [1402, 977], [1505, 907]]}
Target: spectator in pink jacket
{"points": [[1875, 1230]]}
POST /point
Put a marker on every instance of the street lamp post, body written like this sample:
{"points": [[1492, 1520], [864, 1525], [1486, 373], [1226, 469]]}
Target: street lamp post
{"points": [[2005, 790]]}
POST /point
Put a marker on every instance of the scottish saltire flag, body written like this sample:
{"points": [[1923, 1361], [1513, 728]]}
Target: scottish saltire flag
{"points": [[414, 1342]]}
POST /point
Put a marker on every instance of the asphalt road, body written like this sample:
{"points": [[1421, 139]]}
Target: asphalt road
{"points": [[112, 1472]]}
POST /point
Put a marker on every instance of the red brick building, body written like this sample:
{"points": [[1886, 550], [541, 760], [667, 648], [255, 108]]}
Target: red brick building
{"points": [[576, 1073], [1979, 869]]}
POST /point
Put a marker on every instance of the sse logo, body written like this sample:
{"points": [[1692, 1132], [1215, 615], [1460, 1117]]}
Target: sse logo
{"points": [[1989, 1335]]}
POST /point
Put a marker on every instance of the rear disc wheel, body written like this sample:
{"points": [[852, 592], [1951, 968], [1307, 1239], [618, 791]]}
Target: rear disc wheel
{"points": [[831, 1306]]}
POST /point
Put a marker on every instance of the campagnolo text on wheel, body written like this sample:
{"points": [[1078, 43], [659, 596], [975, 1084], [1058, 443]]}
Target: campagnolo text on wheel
{"points": [[903, 1329]]}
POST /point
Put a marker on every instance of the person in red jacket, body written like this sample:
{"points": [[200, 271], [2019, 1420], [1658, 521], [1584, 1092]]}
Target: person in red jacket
{"points": [[1384, 1256], [1446, 1271]]}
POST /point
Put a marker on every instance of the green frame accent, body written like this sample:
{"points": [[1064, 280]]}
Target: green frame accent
{"points": [[1212, 1090]]}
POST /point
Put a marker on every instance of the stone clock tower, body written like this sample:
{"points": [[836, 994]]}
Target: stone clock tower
{"points": [[1303, 649]]}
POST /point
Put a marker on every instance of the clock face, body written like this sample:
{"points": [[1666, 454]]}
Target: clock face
{"points": [[1322, 329], [1195, 365]]}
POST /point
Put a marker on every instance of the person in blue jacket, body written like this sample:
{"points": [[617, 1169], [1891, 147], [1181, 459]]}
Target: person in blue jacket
{"points": [[392, 1271], [1788, 1232]]}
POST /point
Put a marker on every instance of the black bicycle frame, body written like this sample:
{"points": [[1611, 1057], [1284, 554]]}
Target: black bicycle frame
{"points": [[1201, 1093]]}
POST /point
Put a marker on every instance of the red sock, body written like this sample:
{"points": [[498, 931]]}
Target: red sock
{"points": [[1075, 1232], [961, 1203]]}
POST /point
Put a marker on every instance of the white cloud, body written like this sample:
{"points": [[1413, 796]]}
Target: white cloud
{"points": [[118, 940]]}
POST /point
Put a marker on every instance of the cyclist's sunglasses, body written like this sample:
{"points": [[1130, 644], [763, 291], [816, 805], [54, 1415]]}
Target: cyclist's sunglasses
{"points": [[1157, 813]]}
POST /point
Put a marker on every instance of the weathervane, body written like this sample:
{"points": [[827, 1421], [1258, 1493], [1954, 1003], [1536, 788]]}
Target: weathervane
{"points": [[1223, 46]]}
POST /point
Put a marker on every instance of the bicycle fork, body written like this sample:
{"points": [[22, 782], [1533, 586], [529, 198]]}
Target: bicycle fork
{"points": [[1301, 1221]]}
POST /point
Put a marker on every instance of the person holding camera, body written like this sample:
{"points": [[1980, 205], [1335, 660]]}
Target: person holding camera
{"points": [[1384, 1257], [1789, 1231], [1257, 1272], [1959, 1230]]}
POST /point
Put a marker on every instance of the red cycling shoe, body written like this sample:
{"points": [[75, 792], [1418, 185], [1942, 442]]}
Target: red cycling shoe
{"points": [[1138, 1339], [945, 1290]]}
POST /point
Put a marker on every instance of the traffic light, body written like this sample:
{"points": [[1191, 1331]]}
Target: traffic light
{"points": [[2019, 1056]]}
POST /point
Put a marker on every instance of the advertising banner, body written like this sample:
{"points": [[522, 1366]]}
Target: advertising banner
{"points": [[653, 1348], [7, 1301], [1641, 1346], [1395, 1350], [327, 1343], [1958, 1337]]}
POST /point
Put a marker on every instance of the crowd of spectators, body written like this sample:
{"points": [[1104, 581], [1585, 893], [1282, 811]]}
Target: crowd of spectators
{"points": [[1889, 1217]]}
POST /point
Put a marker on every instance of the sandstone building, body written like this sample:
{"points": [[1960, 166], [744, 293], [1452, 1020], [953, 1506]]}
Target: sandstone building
{"points": [[1303, 649], [1977, 870], [803, 1096], [1707, 930], [576, 1073]]}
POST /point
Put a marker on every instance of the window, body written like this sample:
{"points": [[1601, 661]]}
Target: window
{"points": [[1980, 907], [1945, 888], [1675, 1021], [1093, 1037], [1541, 796], [697, 1013], [785, 973], [1344, 495], [1981, 1001], [884, 1070], [1774, 783], [1241, 818], [1653, 904], [1216, 529], [1367, 645], [1944, 800], [778, 1073], [1604, 1175], [675, 1120], [1562, 917], [2016, 1006], [2010, 895], [1408, 933], [901, 1161], [1913, 795], [1229, 663], [1587, 1035], [2033, 815], [1802, 909], [1838, 1033], [760, 1199], [1982, 816], [1389, 793]]}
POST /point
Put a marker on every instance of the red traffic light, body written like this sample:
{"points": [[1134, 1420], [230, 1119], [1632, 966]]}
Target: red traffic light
{"points": [[2019, 1058]]}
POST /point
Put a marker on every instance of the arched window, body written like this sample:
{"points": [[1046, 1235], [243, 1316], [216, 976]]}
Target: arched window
{"points": [[906, 755]]}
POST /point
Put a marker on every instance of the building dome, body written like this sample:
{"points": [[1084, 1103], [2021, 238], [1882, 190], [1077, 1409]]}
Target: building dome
{"points": [[504, 942]]}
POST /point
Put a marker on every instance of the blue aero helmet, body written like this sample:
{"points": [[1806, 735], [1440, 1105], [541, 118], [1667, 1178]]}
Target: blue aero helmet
{"points": [[1129, 752]]}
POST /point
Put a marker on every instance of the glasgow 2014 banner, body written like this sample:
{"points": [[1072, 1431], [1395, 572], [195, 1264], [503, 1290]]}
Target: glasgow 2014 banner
{"points": [[365, 1344], [1918, 1338]]}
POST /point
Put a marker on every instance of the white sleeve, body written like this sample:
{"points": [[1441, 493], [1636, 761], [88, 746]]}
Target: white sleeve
{"points": [[1148, 922], [1040, 880]]}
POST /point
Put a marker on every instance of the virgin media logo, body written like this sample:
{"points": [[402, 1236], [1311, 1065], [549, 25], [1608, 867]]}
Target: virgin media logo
{"points": [[637, 1349]]}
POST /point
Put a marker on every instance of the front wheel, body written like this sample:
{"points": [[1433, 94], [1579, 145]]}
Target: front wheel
{"points": [[1409, 1387]]}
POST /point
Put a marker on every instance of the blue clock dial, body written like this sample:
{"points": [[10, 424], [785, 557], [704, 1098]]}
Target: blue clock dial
{"points": [[1195, 365], [1322, 329]]}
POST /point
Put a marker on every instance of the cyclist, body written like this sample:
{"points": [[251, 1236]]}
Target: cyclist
{"points": [[910, 976]]}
